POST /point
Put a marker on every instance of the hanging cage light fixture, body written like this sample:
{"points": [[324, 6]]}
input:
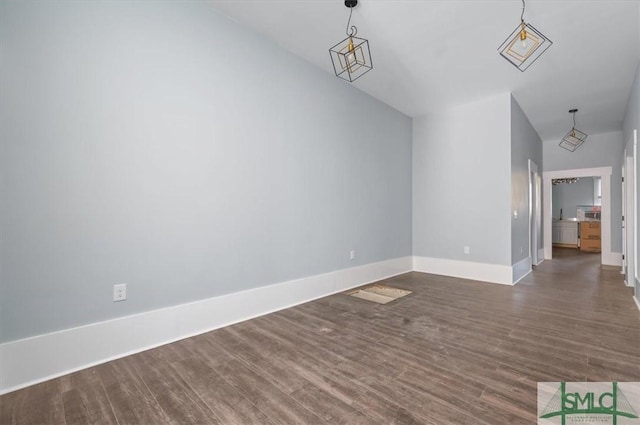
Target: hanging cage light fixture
{"points": [[351, 57], [569, 180], [574, 138], [525, 44]]}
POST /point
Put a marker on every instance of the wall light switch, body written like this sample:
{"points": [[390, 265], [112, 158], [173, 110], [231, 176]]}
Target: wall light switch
{"points": [[515, 214], [467, 250]]}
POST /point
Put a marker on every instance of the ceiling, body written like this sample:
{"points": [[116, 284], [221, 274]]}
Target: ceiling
{"points": [[430, 54]]}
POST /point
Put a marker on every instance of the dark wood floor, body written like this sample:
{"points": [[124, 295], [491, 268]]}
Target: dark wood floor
{"points": [[453, 352]]}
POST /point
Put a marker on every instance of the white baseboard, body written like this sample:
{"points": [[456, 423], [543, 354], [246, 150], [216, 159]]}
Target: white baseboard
{"points": [[540, 256], [32, 360], [612, 258], [521, 269], [628, 280], [635, 298], [493, 273]]}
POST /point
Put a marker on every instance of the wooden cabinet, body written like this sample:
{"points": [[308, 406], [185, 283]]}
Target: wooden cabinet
{"points": [[590, 236], [565, 233]]}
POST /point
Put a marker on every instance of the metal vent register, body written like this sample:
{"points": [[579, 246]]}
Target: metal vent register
{"points": [[379, 293]]}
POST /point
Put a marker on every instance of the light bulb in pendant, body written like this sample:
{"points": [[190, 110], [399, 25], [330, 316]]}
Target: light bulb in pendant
{"points": [[351, 55], [523, 36]]}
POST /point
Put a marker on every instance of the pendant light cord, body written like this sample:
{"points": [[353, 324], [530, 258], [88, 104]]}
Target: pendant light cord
{"points": [[522, 14], [574, 120], [353, 30]]}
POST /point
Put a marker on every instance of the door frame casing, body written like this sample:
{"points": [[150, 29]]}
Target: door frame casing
{"points": [[534, 213], [634, 217], [629, 223]]}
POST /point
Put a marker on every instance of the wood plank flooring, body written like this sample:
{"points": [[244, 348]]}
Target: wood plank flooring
{"points": [[453, 352]]}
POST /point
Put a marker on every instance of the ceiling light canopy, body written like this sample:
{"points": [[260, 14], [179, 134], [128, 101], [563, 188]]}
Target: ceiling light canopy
{"points": [[574, 138], [351, 57], [525, 45]]}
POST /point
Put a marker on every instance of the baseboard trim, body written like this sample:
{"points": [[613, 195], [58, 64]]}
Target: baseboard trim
{"points": [[566, 245], [635, 298], [33, 360], [540, 256], [521, 269], [611, 258], [627, 279], [493, 273]]}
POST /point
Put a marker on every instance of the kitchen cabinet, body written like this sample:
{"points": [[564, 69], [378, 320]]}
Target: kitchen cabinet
{"points": [[565, 233]]}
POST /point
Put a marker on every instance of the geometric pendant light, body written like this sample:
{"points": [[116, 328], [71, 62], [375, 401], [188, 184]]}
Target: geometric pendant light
{"points": [[568, 180], [525, 45], [574, 138], [351, 57]]}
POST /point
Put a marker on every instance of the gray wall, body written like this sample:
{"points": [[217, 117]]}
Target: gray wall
{"points": [[632, 113], [569, 195], [525, 145], [161, 145], [599, 150], [461, 182]]}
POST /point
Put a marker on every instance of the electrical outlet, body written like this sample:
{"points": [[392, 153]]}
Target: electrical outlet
{"points": [[120, 292], [467, 250], [352, 254]]}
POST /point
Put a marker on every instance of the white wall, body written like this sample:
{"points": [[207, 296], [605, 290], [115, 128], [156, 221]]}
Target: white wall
{"points": [[161, 145], [599, 150], [461, 183], [525, 145]]}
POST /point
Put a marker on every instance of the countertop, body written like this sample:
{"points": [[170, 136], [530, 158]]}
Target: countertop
{"points": [[574, 220]]}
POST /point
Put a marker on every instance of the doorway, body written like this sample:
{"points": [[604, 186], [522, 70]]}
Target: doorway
{"points": [[607, 257]]}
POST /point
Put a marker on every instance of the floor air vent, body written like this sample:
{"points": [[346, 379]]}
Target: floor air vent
{"points": [[379, 293]]}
